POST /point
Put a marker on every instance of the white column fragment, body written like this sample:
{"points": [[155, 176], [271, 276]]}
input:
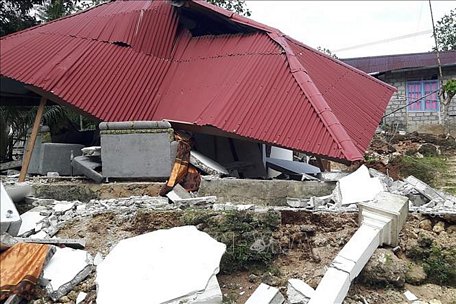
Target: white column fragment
{"points": [[381, 220]]}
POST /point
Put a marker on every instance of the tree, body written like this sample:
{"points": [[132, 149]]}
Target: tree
{"points": [[237, 6], [15, 15], [446, 32], [327, 52]]}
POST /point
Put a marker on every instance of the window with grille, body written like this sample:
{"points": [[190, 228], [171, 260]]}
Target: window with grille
{"points": [[418, 89]]}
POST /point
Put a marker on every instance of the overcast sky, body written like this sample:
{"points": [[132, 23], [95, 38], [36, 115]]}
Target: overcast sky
{"points": [[340, 25]]}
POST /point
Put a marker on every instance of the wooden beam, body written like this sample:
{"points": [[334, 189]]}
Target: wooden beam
{"points": [[32, 139]]}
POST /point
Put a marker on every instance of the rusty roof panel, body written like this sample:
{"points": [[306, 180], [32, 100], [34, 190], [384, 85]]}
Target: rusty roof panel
{"points": [[261, 85]]}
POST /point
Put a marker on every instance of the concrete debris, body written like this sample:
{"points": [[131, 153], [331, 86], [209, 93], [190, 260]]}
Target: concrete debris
{"points": [[266, 294], [6, 241], [207, 165], [67, 268], [298, 292], [61, 208], [357, 187], [166, 277], [10, 221], [91, 151], [81, 296], [424, 188], [87, 166], [297, 202], [97, 259], [30, 219], [410, 296], [195, 201], [231, 207], [178, 193], [19, 191], [331, 176]]}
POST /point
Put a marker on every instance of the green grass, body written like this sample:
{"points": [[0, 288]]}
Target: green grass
{"points": [[428, 169]]}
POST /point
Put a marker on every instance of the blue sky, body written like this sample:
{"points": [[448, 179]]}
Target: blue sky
{"points": [[338, 25]]}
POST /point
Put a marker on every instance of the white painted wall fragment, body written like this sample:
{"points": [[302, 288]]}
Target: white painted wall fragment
{"points": [[10, 221], [357, 187], [165, 266]]}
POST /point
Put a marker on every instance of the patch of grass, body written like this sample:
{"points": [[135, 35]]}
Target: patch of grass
{"points": [[440, 266], [427, 169], [248, 236]]}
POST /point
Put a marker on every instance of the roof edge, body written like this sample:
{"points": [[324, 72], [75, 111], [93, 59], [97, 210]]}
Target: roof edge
{"points": [[396, 55]]}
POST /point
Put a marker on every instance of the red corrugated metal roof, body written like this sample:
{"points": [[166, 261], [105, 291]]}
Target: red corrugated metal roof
{"points": [[379, 64], [135, 61]]}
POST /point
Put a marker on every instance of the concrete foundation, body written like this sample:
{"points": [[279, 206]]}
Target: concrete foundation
{"points": [[261, 192], [140, 149]]}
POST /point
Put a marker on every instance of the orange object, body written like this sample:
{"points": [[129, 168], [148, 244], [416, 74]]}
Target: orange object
{"points": [[20, 268]]}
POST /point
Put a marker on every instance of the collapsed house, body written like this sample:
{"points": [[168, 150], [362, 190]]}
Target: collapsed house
{"points": [[230, 80]]}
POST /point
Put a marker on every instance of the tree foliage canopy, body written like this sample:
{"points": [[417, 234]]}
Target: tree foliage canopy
{"points": [[446, 32], [15, 15]]}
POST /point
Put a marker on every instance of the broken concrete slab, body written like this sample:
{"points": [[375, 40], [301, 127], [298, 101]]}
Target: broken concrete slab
{"points": [[178, 193], [94, 151], [86, 166], [157, 258], [10, 220], [29, 221], [357, 187], [266, 294], [298, 292], [56, 157], [67, 268], [61, 208], [207, 165], [423, 188]]}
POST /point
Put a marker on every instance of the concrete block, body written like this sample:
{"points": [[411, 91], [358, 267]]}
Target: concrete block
{"points": [[43, 136], [10, 221], [56, 157], [266, 294], [136, 149], [298, 292]]}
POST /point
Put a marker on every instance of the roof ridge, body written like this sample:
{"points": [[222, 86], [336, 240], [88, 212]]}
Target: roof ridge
{"points": [[324, 112]]}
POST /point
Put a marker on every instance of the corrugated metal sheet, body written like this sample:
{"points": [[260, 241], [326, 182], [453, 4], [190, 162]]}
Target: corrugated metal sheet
{"points": [[379, 64], [132, 61]]}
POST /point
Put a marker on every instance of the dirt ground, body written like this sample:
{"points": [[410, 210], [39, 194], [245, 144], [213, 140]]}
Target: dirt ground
{"points": [[302, 255]]}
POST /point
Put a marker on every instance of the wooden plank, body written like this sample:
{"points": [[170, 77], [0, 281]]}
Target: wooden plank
{"points": [[10, 165], [31, 142]]}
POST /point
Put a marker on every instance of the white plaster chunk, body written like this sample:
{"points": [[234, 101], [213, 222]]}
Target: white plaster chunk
{"points": [[266, 294], [357, 187], [29, 221], [299, 292], [63, 207], [65, 270], [9, 217], [164, 266], [97, 259], [206, 164], [410, 296], [212, 293], [81, 296]]}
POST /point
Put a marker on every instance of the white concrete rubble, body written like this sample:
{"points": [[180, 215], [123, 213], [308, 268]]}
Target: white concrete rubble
{"points": [[266, 294], [65, 270], [164, 266], [10, 221], [206, 164], [178, 193], [410, 296], [298, 292], [81, 296], [30, 219], [357, 187]]}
